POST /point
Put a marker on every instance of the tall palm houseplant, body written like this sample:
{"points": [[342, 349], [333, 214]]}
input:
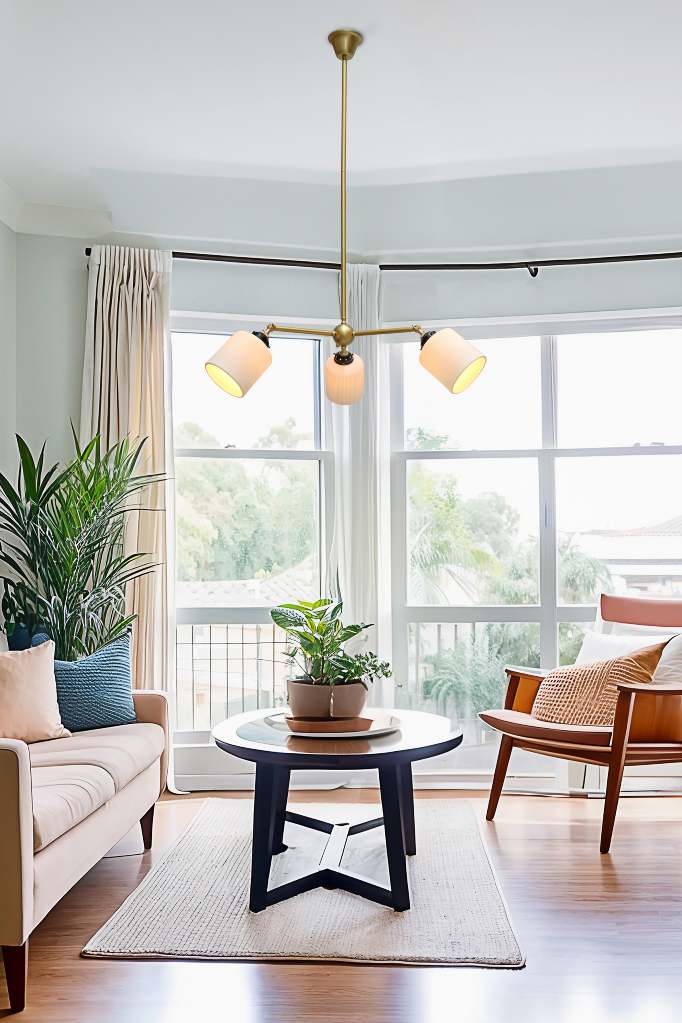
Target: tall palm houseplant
{"points": [[64, 562]]}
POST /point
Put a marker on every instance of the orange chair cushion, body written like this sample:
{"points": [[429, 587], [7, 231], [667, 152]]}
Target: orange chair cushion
{"points": [[586, 694], [524, 726]]}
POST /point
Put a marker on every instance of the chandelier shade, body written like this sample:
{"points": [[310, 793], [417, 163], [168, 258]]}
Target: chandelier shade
{"points": [[239, 362], [344, 379], [451, 359]]}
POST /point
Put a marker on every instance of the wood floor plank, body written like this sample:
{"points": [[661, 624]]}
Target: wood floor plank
{"points": [[602, 935]]}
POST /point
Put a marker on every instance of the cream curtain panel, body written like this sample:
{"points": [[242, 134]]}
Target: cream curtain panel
{"points": [[126, 392], [351, 432]]}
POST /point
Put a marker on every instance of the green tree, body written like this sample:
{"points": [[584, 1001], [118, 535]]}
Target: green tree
{"points": [[443, 549], [284, 436], [241, 519]]}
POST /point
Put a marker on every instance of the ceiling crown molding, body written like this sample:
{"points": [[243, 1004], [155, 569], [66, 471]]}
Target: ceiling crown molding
{"points": [[62, 221]]}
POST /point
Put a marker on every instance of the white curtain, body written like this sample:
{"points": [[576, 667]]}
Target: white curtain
{"points": [[126, 392], [351, 433]]}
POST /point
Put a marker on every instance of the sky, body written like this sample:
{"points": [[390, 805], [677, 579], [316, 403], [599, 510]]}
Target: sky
{"points": [[611, 392]]}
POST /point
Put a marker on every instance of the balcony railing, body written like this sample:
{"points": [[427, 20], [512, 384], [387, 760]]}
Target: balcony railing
{"points": [[227, 669]]}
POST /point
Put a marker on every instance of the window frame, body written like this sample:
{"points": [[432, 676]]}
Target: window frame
{"points": [[549, 613], [223, 325]]}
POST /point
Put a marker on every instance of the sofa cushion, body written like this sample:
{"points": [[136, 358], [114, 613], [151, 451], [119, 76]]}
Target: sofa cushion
{"points": [[63, 796], [524, 726], [28, 695], [122, 751], [97, 691]]}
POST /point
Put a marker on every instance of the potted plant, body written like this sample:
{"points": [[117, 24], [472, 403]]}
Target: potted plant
{"points": [[330, 682], [64, 564]]}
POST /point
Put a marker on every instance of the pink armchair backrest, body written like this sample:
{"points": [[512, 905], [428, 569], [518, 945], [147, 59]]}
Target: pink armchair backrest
{"points": [[653, 720], [641, 611]]}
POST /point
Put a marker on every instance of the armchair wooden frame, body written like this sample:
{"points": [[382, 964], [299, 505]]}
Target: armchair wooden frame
{"points": [[647, 726]]}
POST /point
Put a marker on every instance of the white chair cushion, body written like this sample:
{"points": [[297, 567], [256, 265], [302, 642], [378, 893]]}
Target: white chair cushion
{"points": [[603, 646], [123, 751], [669, 668], [63, 796]]}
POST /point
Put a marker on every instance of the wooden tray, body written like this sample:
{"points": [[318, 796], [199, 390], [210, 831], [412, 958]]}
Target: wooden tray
{"points": [[327, 725], [379, 722]]}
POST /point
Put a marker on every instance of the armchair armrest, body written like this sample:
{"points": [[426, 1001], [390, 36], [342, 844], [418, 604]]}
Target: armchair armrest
{"points": [[16, 843], [648, 689], [151, 707], [522, 687], [540, 673]]}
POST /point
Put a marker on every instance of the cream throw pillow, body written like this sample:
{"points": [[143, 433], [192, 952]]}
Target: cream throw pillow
{"points": [[586, 694], [28, 695], [669, 668]]}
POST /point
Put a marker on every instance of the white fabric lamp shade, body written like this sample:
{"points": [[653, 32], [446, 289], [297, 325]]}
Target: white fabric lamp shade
{"points": [[344, 383], [451, 359], [239, 362]]}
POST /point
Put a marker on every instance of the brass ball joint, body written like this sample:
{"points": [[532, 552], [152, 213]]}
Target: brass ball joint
{"points": [[343, 335]]}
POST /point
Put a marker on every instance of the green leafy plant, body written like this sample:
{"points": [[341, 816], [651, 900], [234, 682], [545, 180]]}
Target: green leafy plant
{"points": [[62, 550], [319, 635]]}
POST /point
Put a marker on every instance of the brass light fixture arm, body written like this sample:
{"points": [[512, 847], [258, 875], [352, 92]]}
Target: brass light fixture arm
{"points": [[273, 328], [415, 328]]}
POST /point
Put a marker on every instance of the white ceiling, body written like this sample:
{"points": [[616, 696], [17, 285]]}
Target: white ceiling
{"points": [[441, 88]]}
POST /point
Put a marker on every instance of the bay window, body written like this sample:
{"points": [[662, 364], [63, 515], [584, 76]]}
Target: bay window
{"points": [[512, 506]]}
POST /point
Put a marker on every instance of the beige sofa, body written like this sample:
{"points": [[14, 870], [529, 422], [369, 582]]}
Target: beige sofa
{"points": [[63, 804]]}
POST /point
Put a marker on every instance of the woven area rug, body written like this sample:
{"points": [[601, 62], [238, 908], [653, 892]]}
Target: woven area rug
{"points": [[193, 903]]}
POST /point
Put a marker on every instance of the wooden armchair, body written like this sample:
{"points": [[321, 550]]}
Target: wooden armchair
{"points": [[647, 727]]}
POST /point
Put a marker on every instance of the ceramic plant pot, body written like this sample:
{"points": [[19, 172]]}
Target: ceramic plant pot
{"points": [[317, 701], [348, 701], [309, 701]]}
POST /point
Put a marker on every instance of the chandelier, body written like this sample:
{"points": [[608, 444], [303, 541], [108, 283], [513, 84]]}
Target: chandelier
{"points": [[245, 356]]}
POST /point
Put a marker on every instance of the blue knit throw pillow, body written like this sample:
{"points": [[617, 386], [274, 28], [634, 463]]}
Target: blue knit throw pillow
{"points": [[96, 691]]}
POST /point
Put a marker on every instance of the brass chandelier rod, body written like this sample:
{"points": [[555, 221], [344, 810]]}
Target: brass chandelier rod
{"points": [[344, 193]]}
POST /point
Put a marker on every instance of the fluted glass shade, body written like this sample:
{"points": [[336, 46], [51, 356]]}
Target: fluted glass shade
{"points": [[451, 359], [239, 362], [344, 383]]}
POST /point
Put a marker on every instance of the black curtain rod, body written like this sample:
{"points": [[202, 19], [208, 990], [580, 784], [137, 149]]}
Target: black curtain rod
{"points": [[532, 266]]}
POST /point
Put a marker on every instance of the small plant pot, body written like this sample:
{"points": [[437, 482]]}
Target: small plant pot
{"points": [[307, 700], [348, 701]]}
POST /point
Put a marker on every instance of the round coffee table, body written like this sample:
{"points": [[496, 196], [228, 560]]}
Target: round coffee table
{"points": [[276, 753]]}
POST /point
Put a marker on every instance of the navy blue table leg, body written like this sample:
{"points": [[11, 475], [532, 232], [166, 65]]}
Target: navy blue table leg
{"points": [[280, 795], [264, 812], [407, 808], [389, 783]]}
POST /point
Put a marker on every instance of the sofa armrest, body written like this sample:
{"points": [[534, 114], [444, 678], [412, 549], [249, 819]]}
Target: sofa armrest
{"points": [[151, 707], [16, 843]]}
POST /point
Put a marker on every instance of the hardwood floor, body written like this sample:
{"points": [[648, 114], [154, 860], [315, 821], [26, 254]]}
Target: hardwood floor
{"points": [[602, 936]]}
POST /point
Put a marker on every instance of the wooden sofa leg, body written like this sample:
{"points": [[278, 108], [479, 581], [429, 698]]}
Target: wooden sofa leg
{"points": [[147, 826], [15, 958], [506, 746]]}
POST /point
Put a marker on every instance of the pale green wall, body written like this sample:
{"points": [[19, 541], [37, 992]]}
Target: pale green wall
{"points": [[8, 376], [51, 297]]}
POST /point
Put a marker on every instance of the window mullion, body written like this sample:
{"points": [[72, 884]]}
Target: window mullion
{"points": [[398, 518], [547, 505]]}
